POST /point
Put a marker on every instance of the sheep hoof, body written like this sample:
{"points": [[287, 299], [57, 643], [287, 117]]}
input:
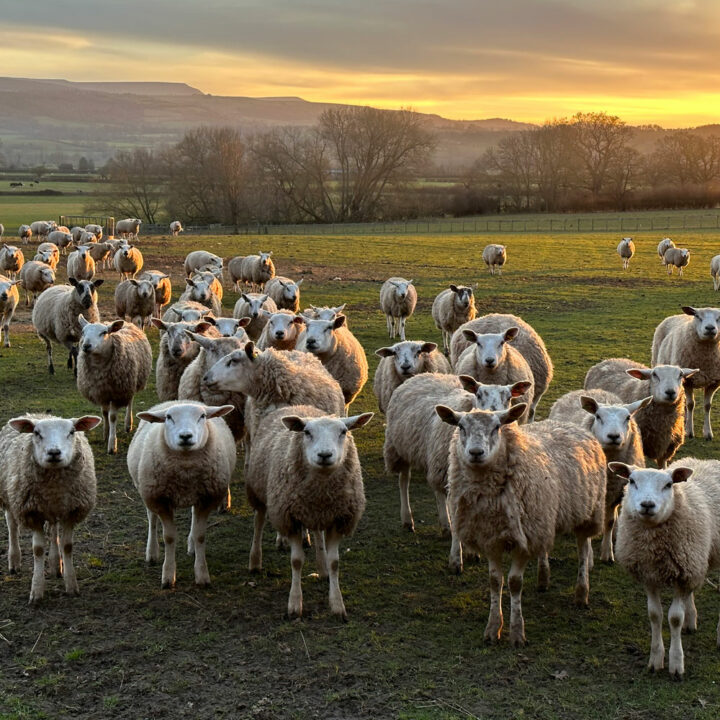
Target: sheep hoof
{"points": [[12, 571], [168, 584], [445, 533], [676, 675], [51, 369], [455, 568], [202, 583], [410, 527]]}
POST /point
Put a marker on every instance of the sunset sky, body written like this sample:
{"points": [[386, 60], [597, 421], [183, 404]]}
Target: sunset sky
{"points": [[645, 60]]}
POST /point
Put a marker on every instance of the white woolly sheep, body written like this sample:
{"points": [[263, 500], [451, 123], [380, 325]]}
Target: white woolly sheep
{"points": [[96, 230], [25, 233], [200, 258], [114, 364], [715, 272], [135, 299], [285, 292], [626, 250], [128, 228], [612, 424], [513, 488], [176, 228], [101, 252], [692, 340], [77, 233], [182, 455], [324, 313], [49, 253], [230, 327], [251, 305], [528, 343], [128, 261], [257, 270], [61, 239], [398, 298], [402, 361], [209, 277], [48, 477], [186, 311], [80, 264], [494, 256], [663, 245], [41, 228], [451, 308], [36, 277], [282, 331], [200, 291], [669, 537], [163, 288], [676, 258], [304, 472], [11, 260], [55, 316], [9, 298], [86, 238]]}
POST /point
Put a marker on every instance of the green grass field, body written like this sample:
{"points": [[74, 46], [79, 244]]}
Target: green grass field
{"points": [[413, 646], [18, 210]]}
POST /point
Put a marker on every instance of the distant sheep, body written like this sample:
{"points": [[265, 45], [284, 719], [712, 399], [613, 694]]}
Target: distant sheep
{"points": [[163, 288], [398, 298], [495, 257], [101, 252], [285, 292], [255, 270], [11, 260], [676, 258], [128, 228], [200, 258], [25, 233], [49, 253], [80, 265], [128, 261], [176, 228], [451, 308], [60, 238], [9, 298], [96, 230], [626, 250], [36, 277], [663, 245], [715, 272], [41, 228], [135, 299]]}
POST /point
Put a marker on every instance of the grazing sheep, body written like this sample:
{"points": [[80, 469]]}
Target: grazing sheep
{"points": [[182, 455], [80, 264], [663, 245], [282, 331], [230, 327], [692, 340], [200, 258], [304, 472], [135, 299], [61, 239], [339, 351], [676, 258], [36, 277], [626, 250], [128, 228], [114, 364], [200, 291], [662, 423], [494, 256], [715, 272], [528, 343], [25, 233], [41, 228], [49, 253], [513, 488], [9, 298], [48, 477], [417, 439], [55, 316], [611, 422], [163, 288], [257, 270], [451, 308], [176, 228], [669, 537], [128, 261], [252, 305], [11, 260], [398, 298], [402, 361], [285, 292], [186, 311], [96, 230]]}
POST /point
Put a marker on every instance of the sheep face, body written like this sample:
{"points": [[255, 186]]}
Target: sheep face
{"points": [[255, 304], [95, 335], [265, 261], [290, 290], [200, 290], [490, 347], [10, 252], [611, 423], [85, 290], [401, 288], [47, 276], [706, 322], [324, 439], [408, 356], [493, 397], [144, 288], [185, 424], [215, 348], [53, 440], [5, 288], [649, 493], [178, 341], [665, 381], [320, 336], [231, 327], [282, 326], [463, 296], [234, 372]]}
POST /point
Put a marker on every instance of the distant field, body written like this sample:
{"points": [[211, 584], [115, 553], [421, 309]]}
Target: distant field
{"points": [[14, 211]]}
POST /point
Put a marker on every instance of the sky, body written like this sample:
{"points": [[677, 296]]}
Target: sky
{"points": [[648, 61]]}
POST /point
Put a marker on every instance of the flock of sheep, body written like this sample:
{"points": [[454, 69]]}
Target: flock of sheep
{"points": [[281, 382]]}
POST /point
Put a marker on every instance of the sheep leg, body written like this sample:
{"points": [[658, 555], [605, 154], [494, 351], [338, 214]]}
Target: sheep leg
{"points": [[48, 346], [198, 530], [14, 553], [152, 549], [655, 613], [54, 561], [321, 555], [388, 320], [106, 423], [337, 606], [405, 511], [676, 618], [689, 411], [533, 405], [607, 553], [707, 427], [443, 516], [495, 619], [6, 331], [543, 565], [582, 587], [129, 417], [690, 624], [515, 584], [297, 558], [446, 344], [169, 536], [112, 430], [66, 537], [255, 563], [37, 587]]}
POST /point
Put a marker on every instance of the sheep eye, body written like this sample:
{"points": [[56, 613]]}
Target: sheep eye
{"points": [[654, 375], [668, 486], [343, 432], [203, 416], [632, 482], [72, 432], [306, 432], [327, 329], [37, 434], [168, 418]]}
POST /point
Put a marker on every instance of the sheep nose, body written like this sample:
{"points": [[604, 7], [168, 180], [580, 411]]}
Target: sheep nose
{"points": [[647, 505], [54, 454], [614, 437], [406, 367], [311, 343], [3, 297], [710, 330], [489, 362], [87, 347], [186, 438], [324, 457], [670, 394], [476, 454], [279, 334]]}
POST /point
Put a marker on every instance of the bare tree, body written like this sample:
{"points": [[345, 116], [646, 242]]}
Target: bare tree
{"points": [[686, 158]]}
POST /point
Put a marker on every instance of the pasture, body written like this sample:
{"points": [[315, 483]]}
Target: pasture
{"points": [[413, 646]]}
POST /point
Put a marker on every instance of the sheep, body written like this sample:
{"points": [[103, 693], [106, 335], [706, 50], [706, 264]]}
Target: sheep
{"points": [[36, 277], [251, 305], [186, 311], [402, 361], [135, 299], [285, 292], [324, 313], [9, 298], [669, 537], [114, 364], [49, 253], [230, 327], [86, 238], [186, 462], [25, 233], [129, 227], [663, 245], [41, 228], [201, 291], [304, 472], [417, 439], [177, 351], [398, 298], [198, 259], [515, 488], [96, 230], [234, 268], [611, 422], [257, 270], [162, 286], [676, 258], [11, 260], [61, 239], [128, 261], [662, 424], [209, 277], [77, 233], [55, 316], [451, 308], [176, 228], [62, 228], [494, 256], [715, 272], [339, 351], [528, 343], [282, 331], [80, 264], [692, 340], [101, 252], [48, 477], [626, 250]]}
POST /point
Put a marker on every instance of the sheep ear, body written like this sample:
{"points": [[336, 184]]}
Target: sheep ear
{"points": [[688, 310], [98, 283], [199, 339], [297, 320], [470, 335], [152, 417], [454, 288], [244, 322], [115, 326], [202, 327], [210, 319], [73, 282], [410, 282], [82, 321], [357, 421], [159, 324], [134, 282], [511, 333], [294, 423], [688, 372], [639, 373], [215, 411], [245, 297], [681, 474], [250, 350], [86, 423], [589, 404], [338, 322], [469, 383], [299, 282], [621, 469], [385, 352], [264, 298], [448, 415], [512, 414], [22, 425], [339, 308], [428, 347], [189, 282], [520, 388], [632, 408]]}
